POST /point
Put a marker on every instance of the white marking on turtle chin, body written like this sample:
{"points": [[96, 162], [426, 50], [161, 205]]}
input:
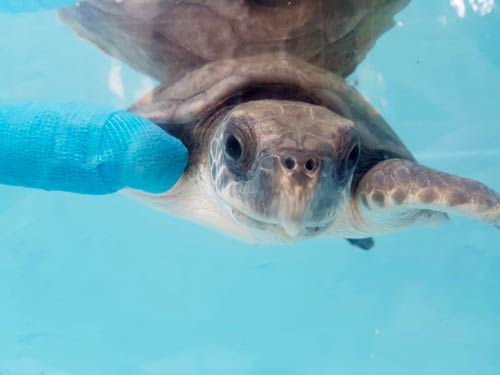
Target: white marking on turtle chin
{"points": [[292, 228], [269, 232]]}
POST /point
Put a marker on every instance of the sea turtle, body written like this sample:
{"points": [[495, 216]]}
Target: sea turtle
{"points": [[281, 149]]}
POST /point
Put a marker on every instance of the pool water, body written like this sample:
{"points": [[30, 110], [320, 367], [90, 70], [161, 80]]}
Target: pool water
{"points": [[105, 285]]}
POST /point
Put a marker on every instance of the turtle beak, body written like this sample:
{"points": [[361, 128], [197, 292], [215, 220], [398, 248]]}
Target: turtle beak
{"points": [[293, 213], [299, 180]]}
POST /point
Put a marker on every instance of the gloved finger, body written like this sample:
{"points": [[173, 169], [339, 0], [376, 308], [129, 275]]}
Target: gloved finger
{"points": [[18, 6], [85, 149], [137, 153]]}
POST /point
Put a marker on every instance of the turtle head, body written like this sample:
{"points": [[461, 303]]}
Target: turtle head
{"points": [[283, 166]]}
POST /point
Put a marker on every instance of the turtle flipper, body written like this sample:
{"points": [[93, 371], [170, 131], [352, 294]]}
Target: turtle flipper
{"points": [[361, 243], [131, 31], [398, 192]]}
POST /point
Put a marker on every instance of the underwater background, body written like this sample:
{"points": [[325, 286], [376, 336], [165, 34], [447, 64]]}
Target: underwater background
{"points": [[106, 285]]}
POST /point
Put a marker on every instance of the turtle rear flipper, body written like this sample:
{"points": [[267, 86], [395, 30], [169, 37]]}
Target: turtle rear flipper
{"points": [[361, 243], [398, 193]]}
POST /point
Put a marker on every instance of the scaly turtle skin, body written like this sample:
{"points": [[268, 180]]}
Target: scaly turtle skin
{"points": [[281, 148], [167, 38]]}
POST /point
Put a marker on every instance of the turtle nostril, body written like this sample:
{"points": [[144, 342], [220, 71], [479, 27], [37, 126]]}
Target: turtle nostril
{"points": [[289, 163], [311, 165]]}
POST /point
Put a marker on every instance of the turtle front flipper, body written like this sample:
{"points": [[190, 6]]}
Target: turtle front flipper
{"points": [[397, 193]]}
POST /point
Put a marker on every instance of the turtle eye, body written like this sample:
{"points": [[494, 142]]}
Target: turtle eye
{"points": [[239, 146], [233, 148], [353, 157]]}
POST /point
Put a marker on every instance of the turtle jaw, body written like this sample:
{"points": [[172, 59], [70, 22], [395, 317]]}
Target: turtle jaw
{"points": [[295, 213], [285, 234], [284, 205], [292, 214]]}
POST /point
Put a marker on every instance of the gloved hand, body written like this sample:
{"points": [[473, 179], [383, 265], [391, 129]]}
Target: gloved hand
{"points": [[83, 149]]}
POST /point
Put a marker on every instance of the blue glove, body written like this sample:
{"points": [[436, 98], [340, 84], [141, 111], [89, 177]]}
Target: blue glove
{"points": [[16, 6], [85, 149]]}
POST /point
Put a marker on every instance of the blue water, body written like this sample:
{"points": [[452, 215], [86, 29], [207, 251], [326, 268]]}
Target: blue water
{"points": [[105, 285]]}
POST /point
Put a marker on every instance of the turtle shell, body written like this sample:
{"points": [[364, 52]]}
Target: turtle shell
{"points": [[229, 82], [166, 38]]}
